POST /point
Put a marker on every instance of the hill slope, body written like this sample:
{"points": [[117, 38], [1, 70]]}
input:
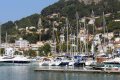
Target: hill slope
{"points": [[64, 9]]}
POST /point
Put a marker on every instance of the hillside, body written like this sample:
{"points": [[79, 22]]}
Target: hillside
{"points": [[70, 7], [62, 9]]}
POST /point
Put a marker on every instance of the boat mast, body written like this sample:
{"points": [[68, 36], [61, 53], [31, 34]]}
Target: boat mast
{"points": [[0, 39], [54, 39], [61, 40], [77, 19], [87, 39], [39, 27], [104, 29], [94, 33], [67, 24], [93, 18], [80, 40], [6, 39], [104, 25], [85, 35]]}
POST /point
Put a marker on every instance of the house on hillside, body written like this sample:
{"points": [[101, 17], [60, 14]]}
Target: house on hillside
{"points": [[22, 44]]}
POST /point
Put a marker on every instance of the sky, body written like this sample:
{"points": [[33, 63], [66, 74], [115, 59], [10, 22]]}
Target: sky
{"points": [[17, 9]]}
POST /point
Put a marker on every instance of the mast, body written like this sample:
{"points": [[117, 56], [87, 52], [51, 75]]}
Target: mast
{"points": [[6, 39], [54, 39], [6, 43], [105, 29], [67, 24], [85, 36], [87, 39], [94, 33], [80, 41], [39, 27], [0, 39], [104, 25], [61, 40], [77, 19], [93, 18]]}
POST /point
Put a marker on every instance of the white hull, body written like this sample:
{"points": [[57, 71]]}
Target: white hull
{"points": [[90, 62], [16, 59]]}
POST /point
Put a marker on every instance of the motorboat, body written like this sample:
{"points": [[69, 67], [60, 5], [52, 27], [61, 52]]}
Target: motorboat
{"points": [[15, 59], [9, 57], [66, 61], [90, 62], [56, 61]]}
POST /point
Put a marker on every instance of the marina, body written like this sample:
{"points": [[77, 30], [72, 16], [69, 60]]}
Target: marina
{"points": [[66, 40]]}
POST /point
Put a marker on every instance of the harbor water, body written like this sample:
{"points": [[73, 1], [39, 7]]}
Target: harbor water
{"points": [[26, 72]]}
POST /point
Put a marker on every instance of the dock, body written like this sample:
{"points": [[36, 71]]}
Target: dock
{"points": [[77, 71]]}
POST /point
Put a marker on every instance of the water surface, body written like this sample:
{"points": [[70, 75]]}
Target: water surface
{"points": [[26, 72]]}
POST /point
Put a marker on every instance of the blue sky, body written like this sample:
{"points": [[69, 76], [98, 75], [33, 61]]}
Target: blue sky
{"points": [[17, 9]]}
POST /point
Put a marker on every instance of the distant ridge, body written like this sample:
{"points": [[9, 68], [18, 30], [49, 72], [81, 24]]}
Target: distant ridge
{"points": [[90, 1], [87, 1]]}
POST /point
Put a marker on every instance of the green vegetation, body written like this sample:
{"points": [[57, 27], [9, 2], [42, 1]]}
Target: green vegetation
{"points": [[70, 7], [45, 50], [63, 9]]}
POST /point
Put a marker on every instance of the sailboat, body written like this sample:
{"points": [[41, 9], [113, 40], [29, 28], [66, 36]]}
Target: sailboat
{"points": [[107, 62], [91, 61]]}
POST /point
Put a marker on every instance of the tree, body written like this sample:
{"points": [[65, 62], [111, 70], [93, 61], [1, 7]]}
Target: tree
{"points": [[2, 51], [32, 53], [113, 26], [45, 50]]}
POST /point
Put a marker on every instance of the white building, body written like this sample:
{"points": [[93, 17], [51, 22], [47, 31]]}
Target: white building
{"points": [[37, 45], [22, 44]]}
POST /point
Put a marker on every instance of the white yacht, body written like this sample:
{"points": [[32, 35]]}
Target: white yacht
{"points": [[66, 61], [9, 57], [90, 62], [55, 62]]}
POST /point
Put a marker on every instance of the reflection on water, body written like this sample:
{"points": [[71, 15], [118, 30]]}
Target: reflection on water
{"points": [[27, 73]]}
